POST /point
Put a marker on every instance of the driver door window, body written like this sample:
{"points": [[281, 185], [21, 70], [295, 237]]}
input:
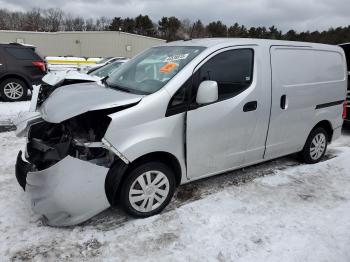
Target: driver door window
{"points": [[232, 70]]}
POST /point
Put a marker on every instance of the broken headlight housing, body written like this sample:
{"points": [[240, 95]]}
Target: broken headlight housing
{"points": [[79, 137]]}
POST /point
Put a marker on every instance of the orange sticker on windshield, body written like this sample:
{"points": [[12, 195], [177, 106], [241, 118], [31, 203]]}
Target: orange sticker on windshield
{"points": [[167, 68]]}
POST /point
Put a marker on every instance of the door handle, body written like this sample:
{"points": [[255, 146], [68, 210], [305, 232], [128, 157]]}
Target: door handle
{"points": [[250, 106], [284, 102]]}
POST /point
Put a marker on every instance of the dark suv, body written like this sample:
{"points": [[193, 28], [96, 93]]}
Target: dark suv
{"points": [[20, 68]]}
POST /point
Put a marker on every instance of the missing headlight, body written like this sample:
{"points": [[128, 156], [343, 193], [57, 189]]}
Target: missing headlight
{"points": [[79, 137]]}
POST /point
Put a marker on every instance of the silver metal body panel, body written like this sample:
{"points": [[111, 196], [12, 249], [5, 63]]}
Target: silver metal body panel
{"points": [[72, 100], [68, 192], [321, 79], [144, 129], [24, 121], [221, 136]]}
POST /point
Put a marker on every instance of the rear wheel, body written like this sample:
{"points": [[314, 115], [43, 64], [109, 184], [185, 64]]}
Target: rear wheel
{"points": [[315, 146], [147, 189], [13, 89]]}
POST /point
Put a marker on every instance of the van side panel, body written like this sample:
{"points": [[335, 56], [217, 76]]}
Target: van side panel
{"points": [[314, 84]]}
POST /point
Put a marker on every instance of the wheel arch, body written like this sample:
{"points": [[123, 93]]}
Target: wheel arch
{"points": [[119, 171], [325, 124]]}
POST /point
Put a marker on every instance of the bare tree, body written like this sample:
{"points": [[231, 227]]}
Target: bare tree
{"points": [[170, 28], [185, 29], [54, 18], [4, 18], [103, 23], [68, 22], [90, 25], [33, 20]]}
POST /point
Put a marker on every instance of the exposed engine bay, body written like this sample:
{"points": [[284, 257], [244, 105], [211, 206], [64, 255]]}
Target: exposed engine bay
{"points": [[79, 137]]}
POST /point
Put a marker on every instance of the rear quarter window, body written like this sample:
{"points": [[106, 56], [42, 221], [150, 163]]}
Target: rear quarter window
{"points": [[22, 53], [304, 67]]}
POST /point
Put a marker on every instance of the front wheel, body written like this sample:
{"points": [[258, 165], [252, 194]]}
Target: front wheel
{"points": [[315, 146], [147, 189]]}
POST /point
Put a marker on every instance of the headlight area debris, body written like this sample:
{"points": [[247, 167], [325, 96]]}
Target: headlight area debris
{"points": [[79, 137]]}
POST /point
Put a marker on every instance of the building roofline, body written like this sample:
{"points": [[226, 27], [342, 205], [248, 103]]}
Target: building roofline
{"points": [[81, 32]]}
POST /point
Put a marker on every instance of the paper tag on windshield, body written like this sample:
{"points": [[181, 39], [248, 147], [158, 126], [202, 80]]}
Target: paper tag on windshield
{"points": [[176, 57], [167, 68]]}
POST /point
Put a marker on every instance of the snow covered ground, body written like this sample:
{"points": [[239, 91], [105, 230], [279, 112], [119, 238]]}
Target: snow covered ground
{"points": [[278, 211], [10, 110]]}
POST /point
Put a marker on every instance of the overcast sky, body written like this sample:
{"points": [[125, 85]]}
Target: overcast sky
{"points": [[285, 14]]}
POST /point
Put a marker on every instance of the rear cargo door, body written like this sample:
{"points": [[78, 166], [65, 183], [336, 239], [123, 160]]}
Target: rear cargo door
{"points": [[302, 79]]}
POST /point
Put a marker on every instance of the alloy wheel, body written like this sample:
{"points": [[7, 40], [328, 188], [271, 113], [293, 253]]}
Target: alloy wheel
{"points": [[13, 90]]}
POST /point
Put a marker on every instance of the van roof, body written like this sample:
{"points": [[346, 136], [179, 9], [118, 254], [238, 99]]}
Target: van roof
{"points": [[211, 42]]}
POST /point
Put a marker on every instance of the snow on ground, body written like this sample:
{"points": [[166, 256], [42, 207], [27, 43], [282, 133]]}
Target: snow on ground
{"points": [[286, 212], [11, 110]]}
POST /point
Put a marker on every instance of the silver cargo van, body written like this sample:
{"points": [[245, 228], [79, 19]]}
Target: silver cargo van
{"points": [[174, 114]]}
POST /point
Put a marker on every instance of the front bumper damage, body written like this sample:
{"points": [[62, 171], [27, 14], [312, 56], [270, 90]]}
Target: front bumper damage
{"points": [[64, 173], [67, 193], [69, 171]]}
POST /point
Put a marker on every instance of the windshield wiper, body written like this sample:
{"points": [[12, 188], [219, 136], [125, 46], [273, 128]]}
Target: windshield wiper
{"points": [[124, 89], [120, 88]]}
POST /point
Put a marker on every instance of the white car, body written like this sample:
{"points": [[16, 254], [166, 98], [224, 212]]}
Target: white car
{"points": [[73, 76], [102, 62]]}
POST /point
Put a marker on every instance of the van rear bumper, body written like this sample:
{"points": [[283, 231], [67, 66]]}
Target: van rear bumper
{"points": [[67, 193]]}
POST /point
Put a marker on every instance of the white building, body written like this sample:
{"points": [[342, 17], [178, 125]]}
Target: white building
{"points": [[82, 43]]}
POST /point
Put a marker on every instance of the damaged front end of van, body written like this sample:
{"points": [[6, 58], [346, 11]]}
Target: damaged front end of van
{"points": [[64, 166]]}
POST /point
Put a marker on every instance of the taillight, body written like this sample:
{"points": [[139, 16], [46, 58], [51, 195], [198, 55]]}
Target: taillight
{"points": [[345, 109], [40, 65]]}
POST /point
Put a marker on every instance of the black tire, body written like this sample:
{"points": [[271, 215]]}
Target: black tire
{"points": [[306, 155], [17, 82], [136, 173]]}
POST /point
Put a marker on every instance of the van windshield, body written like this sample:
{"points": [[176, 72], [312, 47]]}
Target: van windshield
{"points": [[150, 71]]}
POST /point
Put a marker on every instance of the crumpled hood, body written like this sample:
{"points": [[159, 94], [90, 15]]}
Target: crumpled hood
{"points": [[72, 100], [54, 78]]}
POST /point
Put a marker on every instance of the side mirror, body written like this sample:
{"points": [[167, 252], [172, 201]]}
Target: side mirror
{"points": [[207, 92]]}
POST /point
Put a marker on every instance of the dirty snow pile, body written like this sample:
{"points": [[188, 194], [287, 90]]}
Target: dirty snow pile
{"points": [[299, 213], [11, 110]]}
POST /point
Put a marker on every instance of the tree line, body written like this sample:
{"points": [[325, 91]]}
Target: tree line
{"points": [[169, 28]]}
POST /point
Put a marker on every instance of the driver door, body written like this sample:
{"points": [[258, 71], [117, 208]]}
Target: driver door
{"points": [[222, 135]]}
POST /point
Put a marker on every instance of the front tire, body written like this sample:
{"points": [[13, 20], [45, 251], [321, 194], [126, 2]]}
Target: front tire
{"points": [[13, 89], [315, 146], [147, 189]]}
